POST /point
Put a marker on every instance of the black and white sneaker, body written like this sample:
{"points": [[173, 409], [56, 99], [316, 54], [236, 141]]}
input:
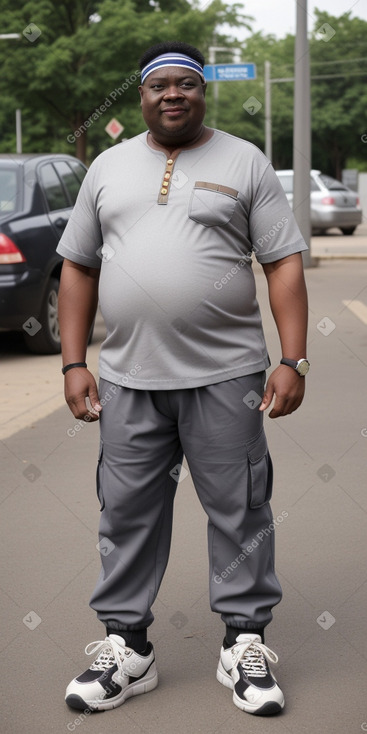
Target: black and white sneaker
{"points": [[244, 668], [116, 674]]}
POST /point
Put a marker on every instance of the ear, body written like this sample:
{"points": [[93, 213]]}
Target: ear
{"points": [[204, 87], [141, 91]]}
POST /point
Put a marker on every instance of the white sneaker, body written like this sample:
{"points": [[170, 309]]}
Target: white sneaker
{"points": [[244, 668], [116, 674]]}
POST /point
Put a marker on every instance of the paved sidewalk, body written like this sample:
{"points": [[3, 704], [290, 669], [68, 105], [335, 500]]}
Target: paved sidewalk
{"points": [[335, 244], [32, 385], [50, 562]]}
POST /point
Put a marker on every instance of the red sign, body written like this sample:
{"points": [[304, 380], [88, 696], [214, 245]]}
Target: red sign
{"points": [[114, 128]]}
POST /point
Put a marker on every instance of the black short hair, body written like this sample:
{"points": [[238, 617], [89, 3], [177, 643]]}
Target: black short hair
{"points": [[166, 47]]}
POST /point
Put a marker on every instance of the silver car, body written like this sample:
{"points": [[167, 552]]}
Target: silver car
{"points": [[332, 203]]}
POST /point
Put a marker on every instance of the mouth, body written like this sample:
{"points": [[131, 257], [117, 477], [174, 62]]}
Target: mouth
{"points": [[174, 111]]}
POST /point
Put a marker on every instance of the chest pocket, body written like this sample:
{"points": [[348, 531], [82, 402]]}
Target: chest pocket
{"points": [[211, 204]]}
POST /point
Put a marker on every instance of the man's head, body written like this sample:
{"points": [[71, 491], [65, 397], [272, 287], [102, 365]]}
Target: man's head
{"points": [[172, 91], [171, 53]]}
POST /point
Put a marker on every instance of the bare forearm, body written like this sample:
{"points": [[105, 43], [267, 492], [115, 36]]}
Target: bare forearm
{"points": [[288, 301], [78, 298]]}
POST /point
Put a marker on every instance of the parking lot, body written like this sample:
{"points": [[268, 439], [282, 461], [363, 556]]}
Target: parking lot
{"points": [[49, 536]]}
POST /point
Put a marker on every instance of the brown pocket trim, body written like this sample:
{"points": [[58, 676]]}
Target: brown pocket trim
{"points": [[216, 187]]}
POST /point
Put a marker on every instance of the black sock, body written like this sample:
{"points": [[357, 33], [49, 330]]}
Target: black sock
{"points": [[233, 632], [136, 639]]}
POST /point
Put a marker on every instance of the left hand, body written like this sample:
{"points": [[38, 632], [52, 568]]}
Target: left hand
{"points": [[288, 388]]}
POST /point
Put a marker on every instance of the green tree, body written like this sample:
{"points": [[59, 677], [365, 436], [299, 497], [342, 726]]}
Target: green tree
{"points": [[62, 78], [339, 102], [247, 120], [62, 74]]}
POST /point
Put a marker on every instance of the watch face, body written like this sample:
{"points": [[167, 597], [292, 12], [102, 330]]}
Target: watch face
{"points": [[303, 367]]}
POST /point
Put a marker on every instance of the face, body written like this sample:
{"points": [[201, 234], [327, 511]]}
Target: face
{"points": [[173, 105]]}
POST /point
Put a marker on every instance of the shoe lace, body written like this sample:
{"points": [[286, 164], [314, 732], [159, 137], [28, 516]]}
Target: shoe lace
{"points": [[108, 652], [252, 657]]}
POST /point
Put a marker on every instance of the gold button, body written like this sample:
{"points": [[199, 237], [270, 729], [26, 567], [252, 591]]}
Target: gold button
{"points": [[167, 175], [164, 191], [169, 162]]}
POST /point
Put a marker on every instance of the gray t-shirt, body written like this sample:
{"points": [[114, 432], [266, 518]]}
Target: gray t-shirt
{"points": [[177, 291]]}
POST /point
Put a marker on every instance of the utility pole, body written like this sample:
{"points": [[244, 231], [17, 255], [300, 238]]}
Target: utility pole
{"points": [[268, 132], [18, 129], [302, 130], [236, 55]]}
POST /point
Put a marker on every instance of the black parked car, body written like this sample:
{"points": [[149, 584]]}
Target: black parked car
{"points": [[37, 194]]}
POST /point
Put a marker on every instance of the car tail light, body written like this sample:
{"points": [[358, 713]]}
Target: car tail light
{"points": [[328, 200], [357, 202], [9, 252]]}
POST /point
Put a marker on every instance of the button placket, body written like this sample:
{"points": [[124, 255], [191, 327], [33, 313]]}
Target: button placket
{"points": [[164, 190]]}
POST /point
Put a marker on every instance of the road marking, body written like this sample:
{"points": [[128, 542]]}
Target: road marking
{"points": [[358, 308]]}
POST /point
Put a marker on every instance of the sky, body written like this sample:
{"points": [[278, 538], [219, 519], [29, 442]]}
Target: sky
{"points": [[279, 18]]}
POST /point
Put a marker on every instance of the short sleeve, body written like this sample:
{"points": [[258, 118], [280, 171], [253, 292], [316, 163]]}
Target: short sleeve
{"points": [[273, 229], [82, 237]]}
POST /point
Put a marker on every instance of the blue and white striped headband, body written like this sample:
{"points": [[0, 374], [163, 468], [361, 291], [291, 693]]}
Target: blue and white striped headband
{"points": [[172, 59]]}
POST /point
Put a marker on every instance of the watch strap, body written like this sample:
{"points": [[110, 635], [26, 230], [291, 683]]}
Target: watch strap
{"points": [[289, 362], [71, 366]]}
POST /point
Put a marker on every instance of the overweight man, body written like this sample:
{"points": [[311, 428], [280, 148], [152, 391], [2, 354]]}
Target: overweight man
{"points": [[163, 234]]}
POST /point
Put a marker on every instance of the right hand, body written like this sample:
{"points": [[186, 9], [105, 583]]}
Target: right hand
{"points": [[80, 385]]}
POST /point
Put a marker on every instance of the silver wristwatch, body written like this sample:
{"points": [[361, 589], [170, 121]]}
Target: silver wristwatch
{"points": [[301, 366]]}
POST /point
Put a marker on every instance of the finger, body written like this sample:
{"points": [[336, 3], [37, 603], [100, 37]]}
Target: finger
{"points": [[80, 410], [284, 406], [90, 417], [94, 400], [267, 398]]}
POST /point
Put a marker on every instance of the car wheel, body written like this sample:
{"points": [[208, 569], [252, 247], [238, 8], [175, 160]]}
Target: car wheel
{"points": [[348, 230], [47, 339]]}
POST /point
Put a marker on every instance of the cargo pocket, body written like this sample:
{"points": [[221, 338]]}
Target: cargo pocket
{"points": [[99, 476], [211, 204], [260, 472]]}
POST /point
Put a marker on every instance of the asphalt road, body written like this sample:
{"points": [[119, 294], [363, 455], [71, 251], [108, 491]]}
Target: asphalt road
{"points": [[50, 562]]}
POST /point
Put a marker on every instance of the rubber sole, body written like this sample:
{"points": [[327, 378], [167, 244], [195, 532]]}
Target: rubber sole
{"points": [[135, 689], [268, 709], [76, 702]]}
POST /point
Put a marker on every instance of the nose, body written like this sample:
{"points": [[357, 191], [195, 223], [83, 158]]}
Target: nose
{"points": [[173, 92]]}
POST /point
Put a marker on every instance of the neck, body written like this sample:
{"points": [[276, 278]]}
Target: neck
{"points": [[171, 147]]}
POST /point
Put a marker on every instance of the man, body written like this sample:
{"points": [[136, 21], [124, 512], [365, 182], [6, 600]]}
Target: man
{"points": [[167, 222]]}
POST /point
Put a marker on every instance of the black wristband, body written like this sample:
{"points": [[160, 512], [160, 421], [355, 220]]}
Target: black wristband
{"points": [[70, 366]]}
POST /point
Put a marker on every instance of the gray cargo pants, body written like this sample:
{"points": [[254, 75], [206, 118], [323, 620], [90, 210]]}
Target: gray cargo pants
{"points": [[144, 435]]}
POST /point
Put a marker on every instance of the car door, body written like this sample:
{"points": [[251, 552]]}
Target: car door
{"points": [[58, 201], [71, 174]]}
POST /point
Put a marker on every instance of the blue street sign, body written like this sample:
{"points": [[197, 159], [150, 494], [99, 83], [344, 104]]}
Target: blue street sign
{"points": [[229, 72]]}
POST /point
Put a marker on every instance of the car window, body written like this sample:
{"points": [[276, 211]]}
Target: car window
{"points": [[69, 179], [8, 191], [54, 192], [314, 186], [332, 183], [78, 169], [287, 183]]}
